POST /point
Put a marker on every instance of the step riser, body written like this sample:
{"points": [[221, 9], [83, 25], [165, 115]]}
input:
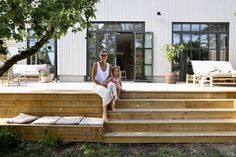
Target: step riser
{"points": [[174, 115], [172, 139], [178, 95], [175, 104], [169, 127]]}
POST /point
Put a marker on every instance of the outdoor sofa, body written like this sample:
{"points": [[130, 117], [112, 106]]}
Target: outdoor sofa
{"points": [[212, 72]]}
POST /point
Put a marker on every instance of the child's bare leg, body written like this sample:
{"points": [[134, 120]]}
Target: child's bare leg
{"points": [[118, 94]]}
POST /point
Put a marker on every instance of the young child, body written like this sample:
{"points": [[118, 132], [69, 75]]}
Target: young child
{"points": [[116, 78]]}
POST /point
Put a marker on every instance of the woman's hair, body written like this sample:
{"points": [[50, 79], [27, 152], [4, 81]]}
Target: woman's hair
{"points": [[103, 51]]}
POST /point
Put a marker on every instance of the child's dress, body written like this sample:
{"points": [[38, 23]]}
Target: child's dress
{"points": [[117, 82]]}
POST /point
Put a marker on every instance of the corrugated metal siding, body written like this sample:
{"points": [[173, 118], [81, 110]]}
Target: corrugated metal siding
{"points": [[72, 48], [72, 54]]}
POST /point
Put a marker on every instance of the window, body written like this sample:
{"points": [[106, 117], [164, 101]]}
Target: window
{"points": [[203, 41], [46, 55]]}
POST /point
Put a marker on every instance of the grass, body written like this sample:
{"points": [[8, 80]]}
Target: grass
{"points": [[50, 146], [34, 149]]}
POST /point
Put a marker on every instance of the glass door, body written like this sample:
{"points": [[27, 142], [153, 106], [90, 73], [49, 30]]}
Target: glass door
{"points": [[143, 56], [138, 56], [107, 41]]}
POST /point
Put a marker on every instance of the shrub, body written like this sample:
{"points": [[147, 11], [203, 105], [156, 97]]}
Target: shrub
{"points": [[8, 140]]}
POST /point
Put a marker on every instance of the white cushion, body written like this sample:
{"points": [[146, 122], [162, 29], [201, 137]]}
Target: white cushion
{"points": [[206, 67], [28, 69], [91, 121], [47, 120], [69, 120], [22, 118]]}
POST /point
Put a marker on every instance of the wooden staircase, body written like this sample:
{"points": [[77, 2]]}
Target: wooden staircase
{"points": [[172, 117]]}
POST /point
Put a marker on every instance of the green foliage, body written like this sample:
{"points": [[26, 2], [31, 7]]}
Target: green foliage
{"points": [[48, 19], [48, 140], [99, 149], [8, 140], [3, 50], [172, 51], [44, 16]]}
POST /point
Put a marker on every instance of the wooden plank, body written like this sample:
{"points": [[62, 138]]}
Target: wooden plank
{"points": [[49, 96], [50, 103], [160, 137], [170, 125], [175, 103], [174, 95], [63, 132], [172, 114]]}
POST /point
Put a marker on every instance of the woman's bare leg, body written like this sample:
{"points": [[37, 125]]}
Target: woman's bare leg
{"points": [[104, 113], [113, 104]]}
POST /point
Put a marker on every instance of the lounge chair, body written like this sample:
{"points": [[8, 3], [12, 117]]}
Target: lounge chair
{"points": [[213, 72]]}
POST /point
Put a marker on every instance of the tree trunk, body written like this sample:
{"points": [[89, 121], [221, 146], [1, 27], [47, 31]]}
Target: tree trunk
{"points": [[24, 54]]}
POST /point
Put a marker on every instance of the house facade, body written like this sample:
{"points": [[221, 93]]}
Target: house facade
{"points": [[134, 31]]}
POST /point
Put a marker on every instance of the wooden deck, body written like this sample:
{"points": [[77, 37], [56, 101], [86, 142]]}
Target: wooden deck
{"points": [[152, 116]]}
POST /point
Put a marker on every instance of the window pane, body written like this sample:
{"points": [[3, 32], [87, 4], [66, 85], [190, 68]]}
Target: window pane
{"points": [[177, 27], [93, 27], [195, 27], [148, 56], [204, 41], [195, 55], [148, 40], [223, 55], [186, 27], [212, 55], [176, 38], [139, 27], [204, 27], [92, 41], [213, 27], [91, 61], [205, 54], [186, 40], [212, 41], [195, 40], [139, 43], [148, 70], [223, 41], [101, 26], [222, 27], [129, 27]]}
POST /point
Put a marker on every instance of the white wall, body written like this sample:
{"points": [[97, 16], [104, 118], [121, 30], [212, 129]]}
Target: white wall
{"points": [[72, 47]]}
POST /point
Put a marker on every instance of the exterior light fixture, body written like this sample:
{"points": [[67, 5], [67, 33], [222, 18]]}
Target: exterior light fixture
{"points": [[158, 13]]}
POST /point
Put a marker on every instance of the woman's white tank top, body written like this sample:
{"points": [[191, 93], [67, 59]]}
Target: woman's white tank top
{"points": [[101, 75]]}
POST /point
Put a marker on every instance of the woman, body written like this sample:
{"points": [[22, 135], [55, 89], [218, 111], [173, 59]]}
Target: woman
{"points": [[101, 75]]}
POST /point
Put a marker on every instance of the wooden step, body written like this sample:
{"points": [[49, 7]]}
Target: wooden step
{"points": [[62, 104], [175, 103], [170, 125], [172, 114], [178, 95], [168, 137]]}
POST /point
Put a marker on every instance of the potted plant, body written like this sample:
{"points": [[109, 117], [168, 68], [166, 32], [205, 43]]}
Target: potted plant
{"points": [[172, 52], [44, 76]]}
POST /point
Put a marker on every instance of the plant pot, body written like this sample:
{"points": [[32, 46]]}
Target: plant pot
{"points": [[45, 79], [170, 78]]}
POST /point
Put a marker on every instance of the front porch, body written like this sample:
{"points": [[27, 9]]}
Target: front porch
{"points": [[147, 112]]}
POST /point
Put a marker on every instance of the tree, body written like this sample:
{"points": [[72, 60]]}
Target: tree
{"points": [[47, 18]]}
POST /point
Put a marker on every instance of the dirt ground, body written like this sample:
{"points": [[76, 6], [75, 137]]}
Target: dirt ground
{"points": [[189, 149]]}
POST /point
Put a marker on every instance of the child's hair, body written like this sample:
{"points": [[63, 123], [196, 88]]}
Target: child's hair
{"points": [[116, 67]]}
